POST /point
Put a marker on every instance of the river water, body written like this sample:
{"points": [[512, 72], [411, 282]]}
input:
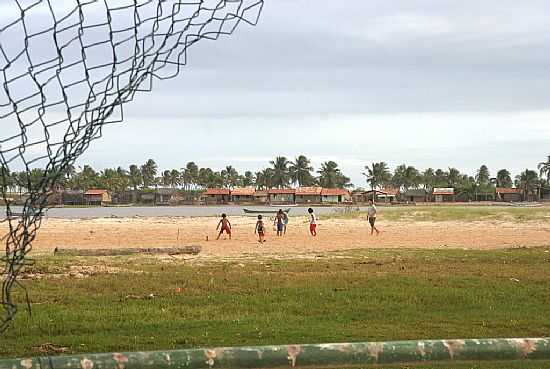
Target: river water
{"points": [[177, 211]]}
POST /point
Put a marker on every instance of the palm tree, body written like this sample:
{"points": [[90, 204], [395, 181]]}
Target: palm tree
{"points": [[453, 177], [331, 176], [482, 176], [230, 176], [544, 168], [174, 178], [504, 179], [528, 182], [248, 179], [428, 179], [149, 172], [280, 177], [378, 174], [166, 178], [136, 178], [300, 171]]}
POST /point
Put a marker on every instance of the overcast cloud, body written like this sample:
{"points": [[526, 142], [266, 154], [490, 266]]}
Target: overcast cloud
{"points": [[430, 83]]}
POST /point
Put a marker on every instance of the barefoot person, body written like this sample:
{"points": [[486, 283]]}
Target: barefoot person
{"points": [[371, 213], [260, 229], [225, 226], [312, 222], [279, 222], [285, 221]]}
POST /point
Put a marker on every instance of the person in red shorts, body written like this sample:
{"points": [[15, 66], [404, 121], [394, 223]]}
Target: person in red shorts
{"points": [[225, 225], [312, 222]]}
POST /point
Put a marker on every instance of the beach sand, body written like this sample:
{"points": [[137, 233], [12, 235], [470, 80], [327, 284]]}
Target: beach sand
{"points": [[333, 235]]}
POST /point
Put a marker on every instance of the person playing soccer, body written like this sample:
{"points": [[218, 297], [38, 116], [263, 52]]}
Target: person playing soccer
{"points": [[285, 221], [371, 214], [260, 230], [312, 222], [225, 225], [279, 222]]}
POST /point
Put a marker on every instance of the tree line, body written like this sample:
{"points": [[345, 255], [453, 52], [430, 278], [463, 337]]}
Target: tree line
{"points": [[283, 173]]}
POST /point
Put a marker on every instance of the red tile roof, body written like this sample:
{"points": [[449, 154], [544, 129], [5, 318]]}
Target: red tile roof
{"points": [[508, 190], [243, 191], [334, 192], [282, 191], [311, 191], [217, 191], [390, 191], [95, 191]]}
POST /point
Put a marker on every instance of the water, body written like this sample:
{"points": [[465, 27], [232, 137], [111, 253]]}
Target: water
{"points": [[176, 211]]}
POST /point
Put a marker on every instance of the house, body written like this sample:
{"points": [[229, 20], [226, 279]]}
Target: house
{"points": [[73, 197], [415, 196], [243, 195], [508, 194], [216, 196], [280, 196], [261, 197], [545, 194], [385, 195], [165, 196], [308, 195], [335, 195], [97, 197], [446, 194]]}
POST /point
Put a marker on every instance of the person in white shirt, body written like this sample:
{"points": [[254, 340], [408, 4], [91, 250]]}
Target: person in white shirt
{"points": [[371, 214], [312, 222]]}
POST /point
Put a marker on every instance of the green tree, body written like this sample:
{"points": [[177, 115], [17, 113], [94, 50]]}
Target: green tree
{"points": [[300, 171], [280, 176], [544, 169], [166, 177], [429, 179], [504, 179], [482, 176], [528, 182], [149, 173], [453, 177], [248, 179], [135, 177], [230, 177], [330, 176], [377, 174], [190, 175]]}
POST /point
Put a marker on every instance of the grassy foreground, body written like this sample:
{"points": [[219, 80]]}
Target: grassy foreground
{"points": [[455, 213], [358, 296]]}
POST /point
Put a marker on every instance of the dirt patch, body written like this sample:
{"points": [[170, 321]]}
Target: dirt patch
{"points": [[78, 271], [333, 235]]}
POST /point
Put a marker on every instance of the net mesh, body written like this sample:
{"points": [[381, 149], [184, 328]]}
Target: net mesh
{"points": [[66, 69]]}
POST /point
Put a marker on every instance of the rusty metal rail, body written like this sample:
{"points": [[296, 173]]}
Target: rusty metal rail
{"points": [[341, 354]]}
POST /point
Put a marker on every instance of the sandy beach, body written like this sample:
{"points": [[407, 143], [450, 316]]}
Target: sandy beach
{"points": [[334, 235]]}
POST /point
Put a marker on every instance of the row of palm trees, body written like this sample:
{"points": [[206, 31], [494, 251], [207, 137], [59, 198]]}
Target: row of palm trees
{"points": [[284, 173]]}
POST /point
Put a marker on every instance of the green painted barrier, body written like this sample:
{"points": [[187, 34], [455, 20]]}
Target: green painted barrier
{"points": [[342, 354]]}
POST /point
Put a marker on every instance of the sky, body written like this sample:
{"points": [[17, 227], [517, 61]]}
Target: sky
{"points": [[429, 83]]}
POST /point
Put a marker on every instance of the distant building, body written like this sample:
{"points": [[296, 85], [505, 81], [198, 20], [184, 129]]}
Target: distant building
{"points": [[217, 196], [308, 195], [335, 195], [165, 196], [281, 196], [386, 195], [73, 197], [243, 195], [415, 196], [508, 194], [261, 197], [446, 194], [97, 197]]}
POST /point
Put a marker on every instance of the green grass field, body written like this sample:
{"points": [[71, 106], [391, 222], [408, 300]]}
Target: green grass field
{"points": [[458, 213], [355, 296]]}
